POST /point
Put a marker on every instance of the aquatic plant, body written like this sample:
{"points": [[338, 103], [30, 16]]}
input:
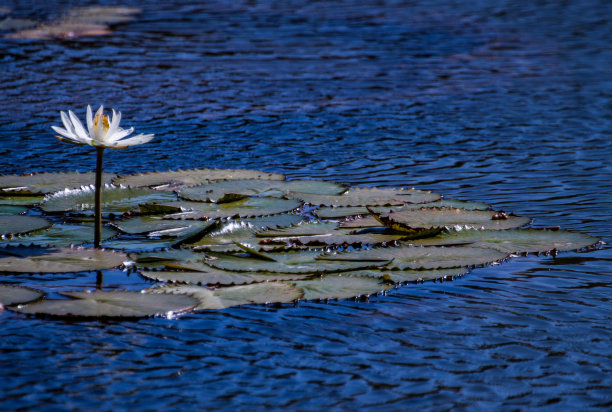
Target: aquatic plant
{"points": [[220, 238], [100, 134]]}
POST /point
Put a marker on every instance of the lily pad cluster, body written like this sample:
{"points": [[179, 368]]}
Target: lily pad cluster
{"points": [[212, 239]]}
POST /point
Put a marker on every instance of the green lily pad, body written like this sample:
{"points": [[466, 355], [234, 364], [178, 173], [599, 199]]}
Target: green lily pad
{"points": [[416, 258], [159, 227], [34, 259], [249, 207], [64, 235], [114, 200], [222, 191], [20, 200], [304, 261], [514, 241], [432, 218], [21, 224], [332, 212], [212, 276], [325, 234], [221, 298], [172, 180], [410, 276], [159, 259], [341, 286], [273, 221], [44, 183], [365, 196], [111, 304], [9, 210], [12, 295]]}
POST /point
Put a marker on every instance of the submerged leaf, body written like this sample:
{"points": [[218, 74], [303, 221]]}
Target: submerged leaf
{"points": [[173, 180], [111, 304], [35, 259]]}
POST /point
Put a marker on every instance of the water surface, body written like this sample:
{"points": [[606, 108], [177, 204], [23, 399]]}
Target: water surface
{"points": [[506, 103]]}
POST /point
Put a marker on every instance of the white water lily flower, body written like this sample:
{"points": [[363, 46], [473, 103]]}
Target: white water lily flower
{"points": [[100, 132]]}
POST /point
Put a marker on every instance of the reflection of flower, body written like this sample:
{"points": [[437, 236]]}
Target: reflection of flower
{"points": [[100, 132]]}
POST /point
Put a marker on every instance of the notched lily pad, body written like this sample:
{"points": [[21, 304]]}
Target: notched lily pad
{"points": [[221, 298], [173, 180], [33, 259], [331, 212], [514, 241], [111, 304], [45, 183], [443, 218], [411, 257], [161, 259], [341, 286], [12, 295], [249, 207], [114, 200], [290, 262], [228, 190], [365, 196], [212, 276], [63, 235], [413, 276], [21, 224]]}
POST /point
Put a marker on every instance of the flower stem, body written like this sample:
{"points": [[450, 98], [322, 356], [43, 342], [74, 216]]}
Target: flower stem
{"points": [[98, 200]]}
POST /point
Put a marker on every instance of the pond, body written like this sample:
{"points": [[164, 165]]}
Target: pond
{"points": [[503, 103]]}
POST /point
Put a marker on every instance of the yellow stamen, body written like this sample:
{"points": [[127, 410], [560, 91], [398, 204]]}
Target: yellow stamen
{"points": [[105, 122]]}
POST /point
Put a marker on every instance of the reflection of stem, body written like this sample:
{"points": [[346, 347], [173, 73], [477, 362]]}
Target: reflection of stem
{"points": [[98, 208], [99, 279]]}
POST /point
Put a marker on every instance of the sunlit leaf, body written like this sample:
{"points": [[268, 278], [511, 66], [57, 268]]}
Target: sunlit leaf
{"points": [[212, 276], [249, 207], [114, 200]]}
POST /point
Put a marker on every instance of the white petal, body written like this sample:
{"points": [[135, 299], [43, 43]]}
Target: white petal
{"points": [[63, 132], [132, 141], [67, 123], [98, 132], [75, 140], [78, 126], [119, 134], [90, 121], [109, 138]]}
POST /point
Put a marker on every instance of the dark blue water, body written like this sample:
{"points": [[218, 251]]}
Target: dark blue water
{"points": [[509, 103]]}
